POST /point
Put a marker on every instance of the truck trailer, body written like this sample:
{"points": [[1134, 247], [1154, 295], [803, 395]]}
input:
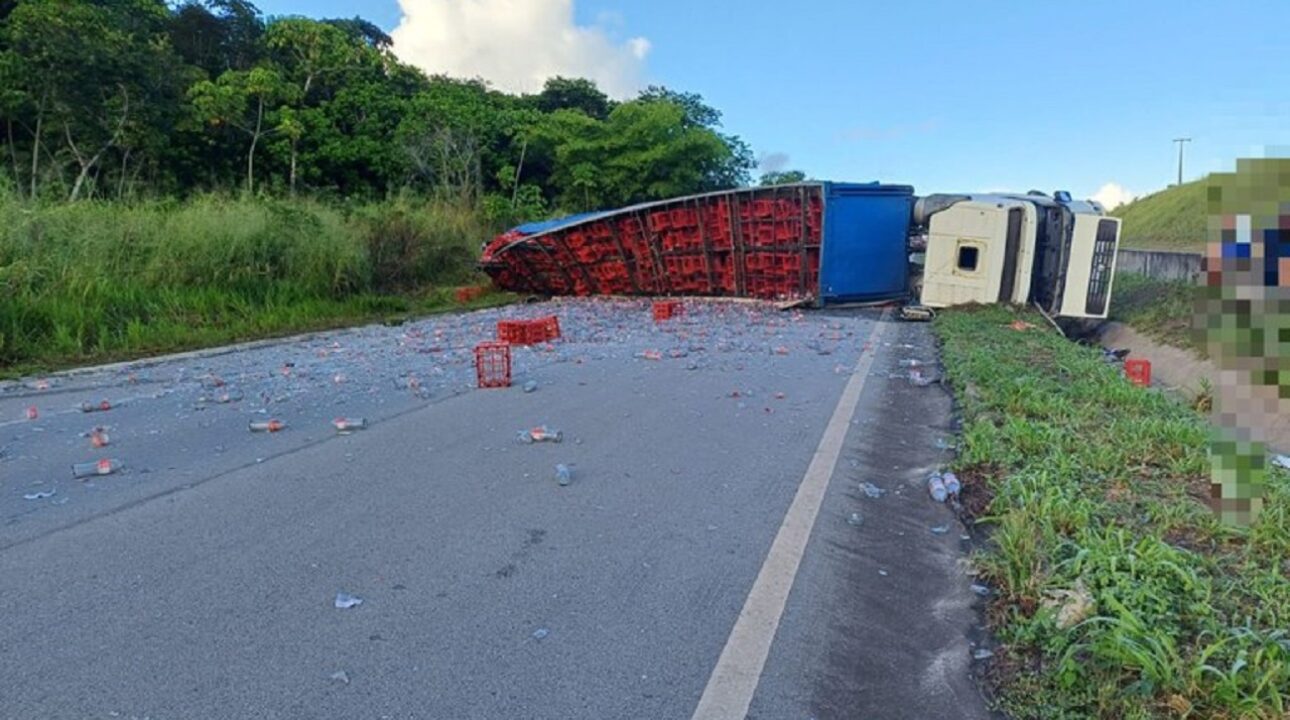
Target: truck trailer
{"points": [[826, 243]]}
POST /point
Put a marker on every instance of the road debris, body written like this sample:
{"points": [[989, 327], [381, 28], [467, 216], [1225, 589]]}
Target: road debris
{"points": [[40, 495], [855, 520], [1071, 606], [918, 379], [982, 654], [345, 426], [936, 488], [340, 676], [530, 386], [871, 490], [940, 529], [223, 398], [952, 485], [981, 590], [540, 633], [541, 433], [563, 475], [266, 426], [32, 412], [105, 466], [345, 601], [101, 406]]}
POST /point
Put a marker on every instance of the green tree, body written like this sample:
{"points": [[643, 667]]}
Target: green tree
{"points": [[307, 51], [363, 31], [697, 113], [86, 72], [644, 151], [784, 177], [190, 95], [246, 100], [561, 93], [218, 35]]}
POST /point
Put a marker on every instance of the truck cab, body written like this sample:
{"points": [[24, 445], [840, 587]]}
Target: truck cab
{"points": [[1031, 249]]}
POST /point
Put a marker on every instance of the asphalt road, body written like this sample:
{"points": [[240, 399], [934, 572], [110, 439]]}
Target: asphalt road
{"points": [[200, 581]]}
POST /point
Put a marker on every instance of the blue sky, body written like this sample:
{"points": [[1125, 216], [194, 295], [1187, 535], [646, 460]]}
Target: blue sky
{"points": [[946, 96]]}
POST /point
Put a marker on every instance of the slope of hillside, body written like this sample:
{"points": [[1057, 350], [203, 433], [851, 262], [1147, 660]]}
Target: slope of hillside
{"points": [[1172, 219]]}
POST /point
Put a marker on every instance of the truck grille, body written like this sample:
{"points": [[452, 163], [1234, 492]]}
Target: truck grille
{"points": [[1099, 278]]}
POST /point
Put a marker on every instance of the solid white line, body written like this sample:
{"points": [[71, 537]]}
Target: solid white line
{"points": [[734, 680]]}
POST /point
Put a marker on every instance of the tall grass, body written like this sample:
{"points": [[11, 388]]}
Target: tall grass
{"points": [[1097, 492], [96, 280]]}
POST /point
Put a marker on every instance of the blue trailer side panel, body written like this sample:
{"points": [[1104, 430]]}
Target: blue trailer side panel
{"points": [[866, 230]]}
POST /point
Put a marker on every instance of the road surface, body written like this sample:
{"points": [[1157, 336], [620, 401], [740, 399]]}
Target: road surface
{"points": [[717, 554]]}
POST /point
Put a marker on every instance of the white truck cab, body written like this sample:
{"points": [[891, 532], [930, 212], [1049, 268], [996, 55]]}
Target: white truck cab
{"points": [[1055, 252]]}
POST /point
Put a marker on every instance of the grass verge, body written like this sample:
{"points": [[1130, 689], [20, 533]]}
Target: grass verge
{"points": [[1172, 219], [1117, 593], [1161, 309], [94, 282]]}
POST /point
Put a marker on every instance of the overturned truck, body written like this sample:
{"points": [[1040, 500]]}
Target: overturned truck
{"points": [[825, 244]]}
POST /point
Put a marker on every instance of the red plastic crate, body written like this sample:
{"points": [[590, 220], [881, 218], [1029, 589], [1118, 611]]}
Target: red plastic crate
{"points": [[666, 309], [547, 327], [1138, 371], [512, 331], [528, 332], [683, 218], [493, 364]]}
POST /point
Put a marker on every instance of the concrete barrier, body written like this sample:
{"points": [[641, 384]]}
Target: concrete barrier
{"points": [[1159, 264]]}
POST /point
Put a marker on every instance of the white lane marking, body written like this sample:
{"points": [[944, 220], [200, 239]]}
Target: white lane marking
{"points": [[734, 680]]}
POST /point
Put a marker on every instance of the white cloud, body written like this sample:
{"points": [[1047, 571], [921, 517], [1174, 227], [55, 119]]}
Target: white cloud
{"points": [[517, 44], [1113, 195]]}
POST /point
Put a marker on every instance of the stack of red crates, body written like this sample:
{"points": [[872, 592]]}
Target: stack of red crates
{"points": [[761, 243]]}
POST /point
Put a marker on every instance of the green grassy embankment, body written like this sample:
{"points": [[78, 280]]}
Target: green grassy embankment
{"points": [[1172, 219], [1161, 309], [93, 282], [1117, 594]]}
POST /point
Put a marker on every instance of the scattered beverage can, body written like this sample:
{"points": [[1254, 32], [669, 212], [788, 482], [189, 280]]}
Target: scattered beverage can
{"points": [[344, 426], [269, 426], [541, 433], [105, 466]]}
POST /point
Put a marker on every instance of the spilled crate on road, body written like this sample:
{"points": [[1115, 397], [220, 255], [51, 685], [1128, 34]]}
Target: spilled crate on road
{"points": [[493, 364], [529, 332]]}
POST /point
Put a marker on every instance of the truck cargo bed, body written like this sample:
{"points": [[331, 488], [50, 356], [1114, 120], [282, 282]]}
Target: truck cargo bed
{"points": [[771, 243]]}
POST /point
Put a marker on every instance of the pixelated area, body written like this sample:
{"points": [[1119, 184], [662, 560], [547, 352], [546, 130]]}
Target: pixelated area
{"points": [[1244, 321]]}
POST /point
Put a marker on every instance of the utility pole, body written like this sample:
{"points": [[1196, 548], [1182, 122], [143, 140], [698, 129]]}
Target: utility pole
{"points": [[1181, 142]]}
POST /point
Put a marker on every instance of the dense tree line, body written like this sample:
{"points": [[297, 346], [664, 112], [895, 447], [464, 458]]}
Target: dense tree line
{"points": [[128, 98]]}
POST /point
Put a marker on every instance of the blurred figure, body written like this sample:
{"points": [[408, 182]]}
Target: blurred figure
{"points": [[1244, 319]]}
